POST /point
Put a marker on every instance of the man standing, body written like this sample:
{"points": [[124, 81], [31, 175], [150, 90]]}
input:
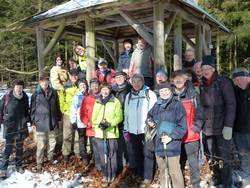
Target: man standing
{"points": [[14, 109], [219, 105], [45, 115], [142, 62], [241, 80], [189, 59]]}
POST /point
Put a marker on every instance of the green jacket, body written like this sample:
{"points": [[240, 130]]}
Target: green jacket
{"points": [[113, 114], [66, 97]]}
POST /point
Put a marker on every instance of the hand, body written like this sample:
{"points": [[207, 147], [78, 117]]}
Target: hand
{"points": [[74, 126], [227, 133], [33, 127], [166, 139], [104, 125], [151, 123], [127, 136]]}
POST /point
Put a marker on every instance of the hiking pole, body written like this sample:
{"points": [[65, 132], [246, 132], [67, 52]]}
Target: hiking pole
{"points": [[168, 181]]}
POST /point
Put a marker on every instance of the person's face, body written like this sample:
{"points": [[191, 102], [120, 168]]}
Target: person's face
{"points": [[197, 69], [105, 92], [82, 87], [94, 87], [72, 65], [119, 80], [207, 71], [165, 93], [160, 78], [137, 84], [103, 66], [242, 82], [189, 56], [18, 89], [59, 61], [73, 78], [79, 51], [127, 45], [141, 43], [44, 84], [179, 81]]}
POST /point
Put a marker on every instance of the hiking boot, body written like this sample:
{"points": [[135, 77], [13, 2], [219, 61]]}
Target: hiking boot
{"points": [[146, 183], [20, 169]]}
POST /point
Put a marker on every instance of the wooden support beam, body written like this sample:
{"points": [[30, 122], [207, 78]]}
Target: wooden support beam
{"points": [[55, 38], [198, 41], [90, 46], [188, 41], [178, 44], [116, 51], [218, 53], [169, 24], [108, 49], [40, 48], [208, 41], [185, 15], [137, 26], [159, 43]]}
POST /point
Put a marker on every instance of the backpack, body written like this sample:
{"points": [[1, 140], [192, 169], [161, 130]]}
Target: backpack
{"points": [[6, 98], [146, 95]]}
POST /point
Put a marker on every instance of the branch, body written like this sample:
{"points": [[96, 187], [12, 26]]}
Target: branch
{"points": [[20, 72]]}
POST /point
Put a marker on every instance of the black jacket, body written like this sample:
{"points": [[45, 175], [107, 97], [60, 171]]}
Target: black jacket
{"points": [[120, 92], [15, 115], [45, 111], [219, 105], [242, 121]]}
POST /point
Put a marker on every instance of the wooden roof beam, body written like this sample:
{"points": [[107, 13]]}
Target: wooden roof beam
{"points": [[109, 51], [186, 39], [137, 26], [169, 24]]}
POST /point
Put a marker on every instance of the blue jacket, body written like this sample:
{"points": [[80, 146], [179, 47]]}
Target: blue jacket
{"points": [[124, 60], [75, 110], [170, 117]]}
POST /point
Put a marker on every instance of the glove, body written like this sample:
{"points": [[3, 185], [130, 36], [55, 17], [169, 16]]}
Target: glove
{"points": [[227, 133], [127, 136], [74, 126], [104, 125]]}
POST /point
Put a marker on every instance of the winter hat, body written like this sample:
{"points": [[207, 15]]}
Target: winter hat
{"points": [[74, 72], [106, 85], [102, 61], [82, 81], [208, 60], [241, 71], [164, 85], [44, 77], [162, 72], [94, 80], [120, 73]]}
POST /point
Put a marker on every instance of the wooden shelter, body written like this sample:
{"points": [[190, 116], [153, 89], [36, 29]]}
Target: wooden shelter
{"points": [[114, 20]]}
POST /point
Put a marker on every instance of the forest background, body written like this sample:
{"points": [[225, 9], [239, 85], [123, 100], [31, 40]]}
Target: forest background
{"points": [[18, 54]]}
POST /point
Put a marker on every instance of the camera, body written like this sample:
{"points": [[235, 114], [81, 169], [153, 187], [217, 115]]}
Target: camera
{"points": [[104, 124]]}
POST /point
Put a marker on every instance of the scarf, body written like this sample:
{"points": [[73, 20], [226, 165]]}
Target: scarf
{"points": [[18, 97]]}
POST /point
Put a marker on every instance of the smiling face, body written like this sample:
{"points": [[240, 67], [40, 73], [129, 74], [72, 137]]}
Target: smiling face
{"points": [[242, 82], [94, 87], [160, 78], [189, 55], [137, 84], [165, 93], [119, 80], [80, 50], [141, 43], [18, 89], [179, 81], [105, 92], [127, 45], [207, 71], [82, 87], [44, 84], [59, 61]]}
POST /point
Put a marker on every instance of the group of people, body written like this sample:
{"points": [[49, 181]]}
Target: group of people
{"points": [[129, 124]]}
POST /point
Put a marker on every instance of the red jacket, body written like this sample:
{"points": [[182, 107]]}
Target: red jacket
{"points": [[86, 113], [107, 77], [190, 136]]}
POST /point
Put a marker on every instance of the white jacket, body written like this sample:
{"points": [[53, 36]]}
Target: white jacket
{"points": [[136, 110]]}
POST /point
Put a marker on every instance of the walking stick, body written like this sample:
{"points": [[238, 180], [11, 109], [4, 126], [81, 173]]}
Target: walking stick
{"points": [[168, 180]]}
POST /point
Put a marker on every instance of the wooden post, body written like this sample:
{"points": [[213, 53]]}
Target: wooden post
{"points": [[55, 38], [218, 53], [40, 48], [116, 51], [208, 40], [159, 42], [178, 44], [169, 24], [84, 41], [198, 41], [90, 46]]}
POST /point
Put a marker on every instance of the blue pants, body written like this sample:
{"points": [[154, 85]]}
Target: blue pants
{"points": [[96, 155], [109, 167], [122, 154], [149, 164]]}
